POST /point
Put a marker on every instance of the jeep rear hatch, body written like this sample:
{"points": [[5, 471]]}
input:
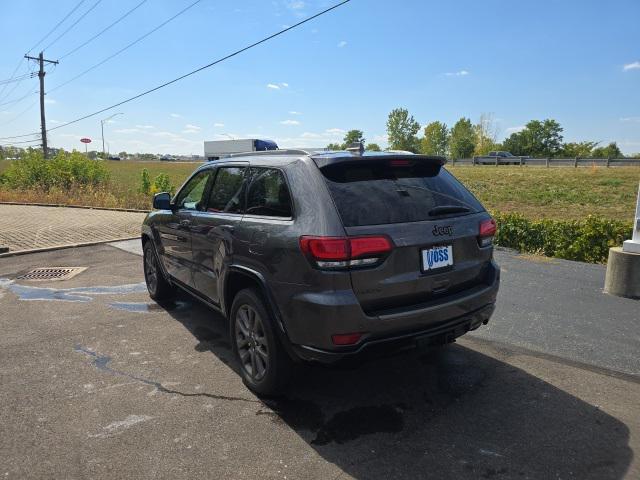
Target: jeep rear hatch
{"points": [[425, 212]]}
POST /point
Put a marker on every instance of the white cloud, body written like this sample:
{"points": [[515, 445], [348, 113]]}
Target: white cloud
{"points": [[459, 73], [146, 127], [630, 119], [50, 101], [295, 4], [127, 130], [189, 126], [631, 66], [273, 86], [515, 129], [335, 130], [218, 125], [310, 135], [175, 115], [290, 122], [342, 44], [285, 85], [293, 112], [165, 134]]}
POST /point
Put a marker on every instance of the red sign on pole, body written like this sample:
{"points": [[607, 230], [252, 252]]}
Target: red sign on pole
{"points": [[85, 140]]}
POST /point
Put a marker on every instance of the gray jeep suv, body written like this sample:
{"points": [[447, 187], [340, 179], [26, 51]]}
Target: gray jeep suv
{"points": [[321, 257]]}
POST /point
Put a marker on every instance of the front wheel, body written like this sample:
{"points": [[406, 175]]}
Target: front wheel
{"points": [[159, 287], [264, 365]]}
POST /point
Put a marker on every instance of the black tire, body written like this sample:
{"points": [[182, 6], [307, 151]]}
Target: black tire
{"points": [[157, 284], [264, 365]]}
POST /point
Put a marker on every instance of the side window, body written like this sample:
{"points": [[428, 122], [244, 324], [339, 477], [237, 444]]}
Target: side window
{"points": [[268, 193], [190, 197], [227, 191]]}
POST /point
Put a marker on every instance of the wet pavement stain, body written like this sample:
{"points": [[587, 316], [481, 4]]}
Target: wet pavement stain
{"points": [[75, 294], [148, 307], [298, 414], [351, 424], [101, 362]]}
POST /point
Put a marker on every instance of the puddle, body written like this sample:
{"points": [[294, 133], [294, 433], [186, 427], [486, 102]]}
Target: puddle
{"points": [[76, 294]]}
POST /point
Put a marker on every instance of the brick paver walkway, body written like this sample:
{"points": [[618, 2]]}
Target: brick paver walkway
{"points": [[25, 227]]}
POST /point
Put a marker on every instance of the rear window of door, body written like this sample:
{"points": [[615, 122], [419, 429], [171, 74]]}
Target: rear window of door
{"points": [[228, 190], [377, 193], [268, 194]]}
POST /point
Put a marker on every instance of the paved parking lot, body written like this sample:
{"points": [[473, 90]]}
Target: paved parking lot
{"points": [[28, 227], [99, 382]]}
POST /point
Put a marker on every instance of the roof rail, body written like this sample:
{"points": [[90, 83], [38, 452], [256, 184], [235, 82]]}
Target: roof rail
{"points": [[284, 151]]}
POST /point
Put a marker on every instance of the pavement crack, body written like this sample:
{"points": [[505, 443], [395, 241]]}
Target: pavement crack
{"points": [[101, 362]]}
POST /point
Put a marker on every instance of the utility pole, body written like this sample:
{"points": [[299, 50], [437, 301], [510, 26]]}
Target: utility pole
{"points": [[41, 73]]}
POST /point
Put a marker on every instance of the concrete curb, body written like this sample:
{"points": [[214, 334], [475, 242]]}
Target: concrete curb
{"points": [[63, 247], [88, 207]]}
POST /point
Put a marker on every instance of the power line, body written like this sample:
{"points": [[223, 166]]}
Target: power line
{"points": [[21, 113], [57, 25], [124, 48], [204, 67], [17, 79], [25, 141], [12, 76], [72, 25], [103, 30], [17, 100]]}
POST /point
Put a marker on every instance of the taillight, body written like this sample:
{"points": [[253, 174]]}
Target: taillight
{"points": [[344, 252], [487, 232]]}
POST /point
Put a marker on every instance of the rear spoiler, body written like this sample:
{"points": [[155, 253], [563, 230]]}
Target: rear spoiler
{"points": [[336, 158]]}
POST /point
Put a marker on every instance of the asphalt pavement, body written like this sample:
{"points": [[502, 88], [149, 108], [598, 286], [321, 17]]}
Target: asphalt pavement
{"points": [[100, 382]]}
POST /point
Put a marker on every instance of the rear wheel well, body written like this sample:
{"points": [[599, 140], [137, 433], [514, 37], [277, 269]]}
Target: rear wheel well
{"points": [[237, 281]]}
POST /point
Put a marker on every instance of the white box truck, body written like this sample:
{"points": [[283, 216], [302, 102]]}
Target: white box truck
{"points": [[223, 148]]}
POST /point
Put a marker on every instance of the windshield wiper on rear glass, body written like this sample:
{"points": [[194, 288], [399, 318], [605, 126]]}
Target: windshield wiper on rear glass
{"points": [[446, 209]]}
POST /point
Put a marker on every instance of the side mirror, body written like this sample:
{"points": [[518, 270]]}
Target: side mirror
{"points": [[162, 201]]}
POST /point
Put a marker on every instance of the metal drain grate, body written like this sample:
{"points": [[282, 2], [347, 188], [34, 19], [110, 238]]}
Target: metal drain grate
{"points": [[52, 273]]}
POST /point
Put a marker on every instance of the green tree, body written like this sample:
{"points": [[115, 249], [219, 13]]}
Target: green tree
{"points": [[537, 139], [486, 135], [123, 155], [373, 147], [435, 140], [578, 149], [334, 146], [402, 129], [462, 140], [162, 183], [610, 151], [352, 136]]}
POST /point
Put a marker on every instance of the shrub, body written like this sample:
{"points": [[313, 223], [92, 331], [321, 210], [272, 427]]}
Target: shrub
{"points": [[145, 182], [162, 184], [65, 171], [586, 240]]}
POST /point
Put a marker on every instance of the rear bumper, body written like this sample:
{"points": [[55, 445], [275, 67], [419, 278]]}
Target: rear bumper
{"points": [[444, 333], [311, 319]]}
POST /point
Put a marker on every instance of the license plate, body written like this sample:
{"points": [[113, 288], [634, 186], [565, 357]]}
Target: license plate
{"points": [[437, 257]]}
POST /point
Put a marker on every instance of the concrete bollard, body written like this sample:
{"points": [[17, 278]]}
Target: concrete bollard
{"points": [[623, 266], [623, 274]]}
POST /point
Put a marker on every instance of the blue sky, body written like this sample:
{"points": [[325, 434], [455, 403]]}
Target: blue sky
{"points": [[575, 61]]}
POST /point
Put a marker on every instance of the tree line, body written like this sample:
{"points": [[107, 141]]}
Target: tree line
{"points": [[538, 138]]}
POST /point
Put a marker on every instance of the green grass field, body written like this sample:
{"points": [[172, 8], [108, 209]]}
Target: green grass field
{"points": [[561, 193]]}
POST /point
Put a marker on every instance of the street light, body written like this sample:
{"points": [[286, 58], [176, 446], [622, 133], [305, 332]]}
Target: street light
{"points": [[102, 122]]}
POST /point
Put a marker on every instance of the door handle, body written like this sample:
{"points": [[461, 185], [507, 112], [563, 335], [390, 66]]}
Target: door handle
{"points": [[227, 228]]}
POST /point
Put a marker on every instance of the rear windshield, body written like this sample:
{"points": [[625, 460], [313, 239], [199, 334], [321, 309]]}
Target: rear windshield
{"points": [[376, 193]]}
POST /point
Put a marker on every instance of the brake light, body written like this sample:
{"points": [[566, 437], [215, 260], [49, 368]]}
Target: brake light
{"points": [[346, 338], [343, 252], [400, 163], [487, 231]]}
